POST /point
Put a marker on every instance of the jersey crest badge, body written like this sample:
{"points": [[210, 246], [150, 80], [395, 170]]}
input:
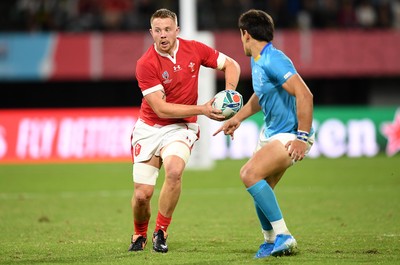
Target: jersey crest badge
{"points": [[191, 66]]}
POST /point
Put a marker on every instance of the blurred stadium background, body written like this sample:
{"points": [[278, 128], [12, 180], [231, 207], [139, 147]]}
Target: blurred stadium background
{"points": [[68, 92]]}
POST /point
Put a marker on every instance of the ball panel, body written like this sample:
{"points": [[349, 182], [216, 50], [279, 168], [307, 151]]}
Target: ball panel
{"points": [[229, 102]]}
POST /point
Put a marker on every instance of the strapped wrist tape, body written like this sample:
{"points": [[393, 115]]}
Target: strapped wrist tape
{"points": [[302, 136]]}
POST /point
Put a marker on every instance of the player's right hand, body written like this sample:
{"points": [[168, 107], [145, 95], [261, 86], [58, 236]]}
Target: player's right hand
{"points": [[212, 113], [229, 127]]}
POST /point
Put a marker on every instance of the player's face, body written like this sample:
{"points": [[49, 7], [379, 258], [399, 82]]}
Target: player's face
{"points": [[244, 37], [164, 32]]}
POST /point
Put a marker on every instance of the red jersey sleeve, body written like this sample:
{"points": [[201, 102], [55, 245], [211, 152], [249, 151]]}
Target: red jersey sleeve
{"points": [[146, 73]]}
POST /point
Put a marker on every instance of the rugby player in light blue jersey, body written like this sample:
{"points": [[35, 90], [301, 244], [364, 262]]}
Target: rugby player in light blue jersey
{"points": [[287, 135]]}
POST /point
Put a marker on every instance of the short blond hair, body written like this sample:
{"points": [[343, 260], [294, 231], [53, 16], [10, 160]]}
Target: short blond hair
{"points": [[164, 13]]}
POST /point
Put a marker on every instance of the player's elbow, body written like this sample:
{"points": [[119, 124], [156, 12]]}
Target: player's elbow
{"points": [[306, 96], [310, 98], [232, 64], [162, 114]]}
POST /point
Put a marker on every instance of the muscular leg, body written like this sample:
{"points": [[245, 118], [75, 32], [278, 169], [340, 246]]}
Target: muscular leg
{"points": [[174, 158], [267, 164], [171, 188], [267, 230], [141, 200]]}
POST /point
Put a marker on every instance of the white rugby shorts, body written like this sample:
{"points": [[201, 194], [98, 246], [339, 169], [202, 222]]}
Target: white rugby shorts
{"points": [[148, 140], [283, 138]]}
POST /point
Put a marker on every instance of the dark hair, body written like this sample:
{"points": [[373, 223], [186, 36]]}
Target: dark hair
{"points": [[258, 24], [164, 13]]}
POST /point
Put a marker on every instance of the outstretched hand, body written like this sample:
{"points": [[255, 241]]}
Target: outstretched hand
{"points": [[229, 127]]}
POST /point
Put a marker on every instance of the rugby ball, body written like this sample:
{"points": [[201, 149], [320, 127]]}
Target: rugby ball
{"points": [[229, 101]]}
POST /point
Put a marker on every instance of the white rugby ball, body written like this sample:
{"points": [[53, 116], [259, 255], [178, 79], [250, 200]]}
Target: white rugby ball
{"points": [[229, 101]]}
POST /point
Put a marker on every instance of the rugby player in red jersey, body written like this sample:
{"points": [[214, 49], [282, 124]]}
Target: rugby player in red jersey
{"points": [[166, 131]]}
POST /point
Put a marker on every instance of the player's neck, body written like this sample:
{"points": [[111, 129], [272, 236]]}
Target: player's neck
{"points": [[171, 52], [257, 48]]}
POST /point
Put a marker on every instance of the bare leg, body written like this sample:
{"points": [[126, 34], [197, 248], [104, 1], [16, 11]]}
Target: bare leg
{"points": [[171, 188]]}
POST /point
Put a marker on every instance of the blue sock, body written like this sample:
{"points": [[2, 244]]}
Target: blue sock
{"points": [[265, 224], [264, 198]]}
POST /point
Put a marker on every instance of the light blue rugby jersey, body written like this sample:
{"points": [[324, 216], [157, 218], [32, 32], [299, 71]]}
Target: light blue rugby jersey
{"points": [[269, 72]]}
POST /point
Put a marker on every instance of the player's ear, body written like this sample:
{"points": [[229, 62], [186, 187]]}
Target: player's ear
{"points": [[247, 35]]}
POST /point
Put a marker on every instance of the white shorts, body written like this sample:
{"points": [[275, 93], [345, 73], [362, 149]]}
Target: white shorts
{"points": [[149, 140], [283, 138]]}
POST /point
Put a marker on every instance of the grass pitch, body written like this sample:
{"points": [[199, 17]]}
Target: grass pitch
{"points": [[341, 211]]}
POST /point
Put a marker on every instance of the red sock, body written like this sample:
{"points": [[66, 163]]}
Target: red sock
{"points": [[141, 228], [162, 222]]}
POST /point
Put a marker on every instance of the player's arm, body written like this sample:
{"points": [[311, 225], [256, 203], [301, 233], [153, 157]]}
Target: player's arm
{"points": [[304, 101], [304, 107], [163, 109], [250, 108], [231, 69]]}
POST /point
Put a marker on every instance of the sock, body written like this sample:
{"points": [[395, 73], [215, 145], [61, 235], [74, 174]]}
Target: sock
{"points": [[141, 228], [267, 230], [162, 222], [269, 235], [265, 224], [264, 198], [280, 227]]}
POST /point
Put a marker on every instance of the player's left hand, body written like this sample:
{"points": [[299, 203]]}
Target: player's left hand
{"points": [[297, 149]]}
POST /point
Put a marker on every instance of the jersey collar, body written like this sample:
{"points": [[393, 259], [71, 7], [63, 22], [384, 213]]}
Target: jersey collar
{"points": [[173, 59], [262, 51]]}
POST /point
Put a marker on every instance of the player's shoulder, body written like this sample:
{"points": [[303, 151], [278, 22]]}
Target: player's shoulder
{"points": [[191, 44], [147, 57], [274, 56], [187, 41], [276, 53]]}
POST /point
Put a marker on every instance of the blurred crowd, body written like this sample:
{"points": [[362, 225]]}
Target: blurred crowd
{"points": [[133, 15]]}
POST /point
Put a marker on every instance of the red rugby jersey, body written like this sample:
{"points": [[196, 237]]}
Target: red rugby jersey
{"points": [[178, 76]]}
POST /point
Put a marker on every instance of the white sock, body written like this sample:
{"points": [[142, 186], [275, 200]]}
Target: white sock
{"points": [[280, 227], [269, 235]]}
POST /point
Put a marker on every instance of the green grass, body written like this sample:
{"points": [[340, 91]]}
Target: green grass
{"points": [[341, 211]]}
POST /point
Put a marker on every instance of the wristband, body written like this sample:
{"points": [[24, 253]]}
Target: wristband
{"points": [[302, 136]]}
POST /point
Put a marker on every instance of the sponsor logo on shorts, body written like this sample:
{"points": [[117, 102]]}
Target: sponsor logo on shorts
{"points": [[138, 147]]}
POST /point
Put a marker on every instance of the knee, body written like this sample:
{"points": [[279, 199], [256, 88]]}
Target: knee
{"points": [[142, 197], [246, 175], [174, 171], [173, 176]]}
